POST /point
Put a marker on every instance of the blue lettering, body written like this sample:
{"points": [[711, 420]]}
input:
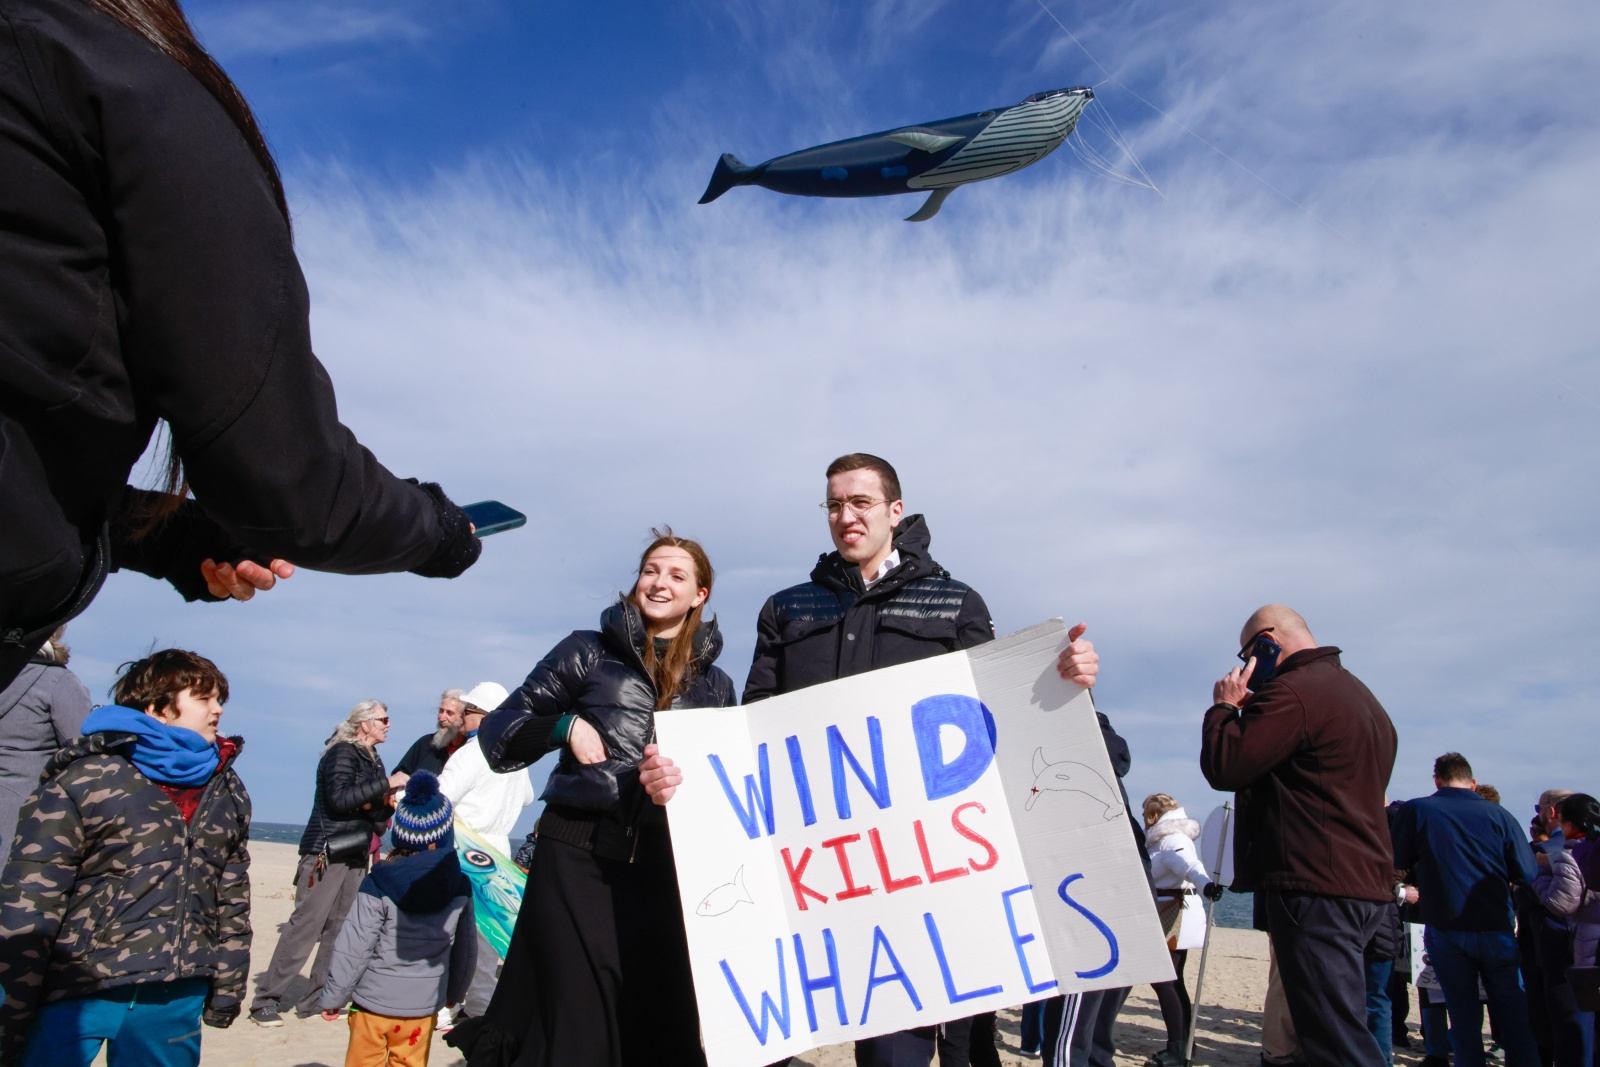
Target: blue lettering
{"points": [[941, 779], [809, 985], [1019, 939], [944, 966], [1105, 931], [874, 980], [760, 800], [769, 1010], [802, 781], [877, 786]]}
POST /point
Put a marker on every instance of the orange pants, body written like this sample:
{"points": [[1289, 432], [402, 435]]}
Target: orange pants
{"points": [[379, 1041]]}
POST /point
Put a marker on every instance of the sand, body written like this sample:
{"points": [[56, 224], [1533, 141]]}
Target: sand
{"points": [[1230, 1016]]}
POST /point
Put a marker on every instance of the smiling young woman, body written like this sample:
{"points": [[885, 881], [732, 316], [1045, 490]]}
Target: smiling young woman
{"points": [[598, 969]]}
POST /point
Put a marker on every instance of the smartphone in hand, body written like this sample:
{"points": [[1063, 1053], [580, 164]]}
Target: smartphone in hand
{"points": [[492, 517]]}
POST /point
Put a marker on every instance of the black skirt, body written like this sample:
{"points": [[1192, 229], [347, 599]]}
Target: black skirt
{"points": [[597, 972]]}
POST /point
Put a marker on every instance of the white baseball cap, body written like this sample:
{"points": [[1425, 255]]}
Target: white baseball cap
{"points": [[486, 695]]}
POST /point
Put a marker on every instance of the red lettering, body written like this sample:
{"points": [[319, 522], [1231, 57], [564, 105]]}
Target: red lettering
{"points": [[890, 882], [973, 836], [927, 861], [851, 890], [801, 890]]}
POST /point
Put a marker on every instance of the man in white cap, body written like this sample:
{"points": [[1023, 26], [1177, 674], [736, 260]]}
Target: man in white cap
{"points": [[489, 804]]}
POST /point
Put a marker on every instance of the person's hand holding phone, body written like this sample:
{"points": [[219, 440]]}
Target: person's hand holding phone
{"points": [[1234, 686]]}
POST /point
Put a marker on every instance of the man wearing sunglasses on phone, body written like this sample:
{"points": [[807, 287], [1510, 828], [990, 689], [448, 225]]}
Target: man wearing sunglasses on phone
{"points": [[1308, 750], [879, 600]]}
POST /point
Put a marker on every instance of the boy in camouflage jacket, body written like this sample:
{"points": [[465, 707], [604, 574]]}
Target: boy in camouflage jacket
{"points": [[125, 907]]}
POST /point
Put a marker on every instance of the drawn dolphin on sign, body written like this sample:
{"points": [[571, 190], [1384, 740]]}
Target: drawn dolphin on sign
{"points": [[936, 156], [1069, 777], [725, 897]]}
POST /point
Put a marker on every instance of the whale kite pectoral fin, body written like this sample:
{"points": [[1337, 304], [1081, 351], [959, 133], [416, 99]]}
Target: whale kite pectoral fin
{"points": [[930, 207], [926, 140]]}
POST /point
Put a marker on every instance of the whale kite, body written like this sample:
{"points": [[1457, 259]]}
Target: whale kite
{"points": [[934, 157]]}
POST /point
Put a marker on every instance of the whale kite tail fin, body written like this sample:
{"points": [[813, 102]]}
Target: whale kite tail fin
{"points": [[729, 172]]}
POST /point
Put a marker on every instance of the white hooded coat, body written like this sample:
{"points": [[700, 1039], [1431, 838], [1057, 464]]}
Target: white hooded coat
{"points": [[1175, 864]]}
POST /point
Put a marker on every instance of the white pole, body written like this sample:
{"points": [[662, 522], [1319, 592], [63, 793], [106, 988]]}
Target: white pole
{"points": [[1211, 919]]}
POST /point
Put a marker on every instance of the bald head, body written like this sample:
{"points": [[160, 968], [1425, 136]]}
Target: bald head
{"points": [[1288, 628]]}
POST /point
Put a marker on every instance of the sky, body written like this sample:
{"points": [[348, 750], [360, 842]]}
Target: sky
{"points": [[1341, 356]]}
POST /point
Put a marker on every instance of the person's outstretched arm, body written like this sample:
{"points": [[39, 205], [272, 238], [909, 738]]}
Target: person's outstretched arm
{"points": [[353, 948]]}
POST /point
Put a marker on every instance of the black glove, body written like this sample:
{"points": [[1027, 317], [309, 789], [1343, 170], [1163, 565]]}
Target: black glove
{"points": [[220, 1015], [458, 546], [1213, 891]]}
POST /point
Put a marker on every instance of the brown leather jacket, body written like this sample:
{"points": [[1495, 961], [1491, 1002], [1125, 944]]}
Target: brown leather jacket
{"points": [[1309, 758]]}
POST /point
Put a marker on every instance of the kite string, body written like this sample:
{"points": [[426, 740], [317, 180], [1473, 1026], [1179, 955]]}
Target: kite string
{"points": [[1114, 81]]}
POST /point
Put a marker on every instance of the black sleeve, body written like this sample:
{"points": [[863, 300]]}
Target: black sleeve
{"points": [[214, 323], [974, 626], [1116, 747], [518, 732], [763, 678], [408, 762], [350, 784]]}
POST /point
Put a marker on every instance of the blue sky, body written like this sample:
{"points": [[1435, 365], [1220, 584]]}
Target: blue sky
{"points": [[1344, 358]]}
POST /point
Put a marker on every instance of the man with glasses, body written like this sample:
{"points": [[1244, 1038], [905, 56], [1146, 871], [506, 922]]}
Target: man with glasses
{"points": [[1308, 751], [878, 600]]}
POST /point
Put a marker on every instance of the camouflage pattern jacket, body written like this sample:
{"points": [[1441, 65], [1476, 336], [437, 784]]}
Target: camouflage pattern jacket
{"points": [[108, 886]]}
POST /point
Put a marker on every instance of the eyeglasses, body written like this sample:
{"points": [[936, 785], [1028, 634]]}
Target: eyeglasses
{"points": [[1249, 648], [384, 719], [858, 504]]}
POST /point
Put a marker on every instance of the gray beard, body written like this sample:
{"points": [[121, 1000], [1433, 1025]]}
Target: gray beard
{"points": [[444, 735]]}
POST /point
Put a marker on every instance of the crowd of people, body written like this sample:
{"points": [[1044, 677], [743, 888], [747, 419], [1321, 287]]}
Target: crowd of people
{"points": [[124, 907]]}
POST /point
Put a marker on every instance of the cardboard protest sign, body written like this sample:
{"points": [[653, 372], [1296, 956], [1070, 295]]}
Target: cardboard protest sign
{"points": [[900, 848]]}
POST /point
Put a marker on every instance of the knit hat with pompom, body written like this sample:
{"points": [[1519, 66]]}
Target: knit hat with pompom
{"points": [[423, 819]]}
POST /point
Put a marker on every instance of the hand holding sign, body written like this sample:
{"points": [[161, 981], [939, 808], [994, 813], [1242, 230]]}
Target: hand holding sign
{"points": [[659, 775], [1079, 662]]}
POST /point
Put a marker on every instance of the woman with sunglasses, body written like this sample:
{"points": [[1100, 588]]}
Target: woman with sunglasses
{"points": [[597, 973], [349, 813]]}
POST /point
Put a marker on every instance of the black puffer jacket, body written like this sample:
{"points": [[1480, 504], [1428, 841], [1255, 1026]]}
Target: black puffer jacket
{"points": [[600, 676], [352, 794], [147, 273], [833, 626], [108, 886]]}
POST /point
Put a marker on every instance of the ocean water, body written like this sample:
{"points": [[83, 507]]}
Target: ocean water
{"points": [[281, 833], [1234, 910]]}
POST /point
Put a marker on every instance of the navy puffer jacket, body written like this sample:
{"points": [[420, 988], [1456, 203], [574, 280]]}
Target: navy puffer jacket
{"points": [[600, 676]]}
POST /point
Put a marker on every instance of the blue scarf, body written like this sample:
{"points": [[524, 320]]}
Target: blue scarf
{"points": [[173, 755]]}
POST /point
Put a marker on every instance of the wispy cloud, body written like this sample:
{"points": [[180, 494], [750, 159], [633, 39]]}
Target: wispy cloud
{"points": [[274, 27]]}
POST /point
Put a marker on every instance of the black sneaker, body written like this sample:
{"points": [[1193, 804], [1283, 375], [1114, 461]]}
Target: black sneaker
{"points": [[266, 1016]]}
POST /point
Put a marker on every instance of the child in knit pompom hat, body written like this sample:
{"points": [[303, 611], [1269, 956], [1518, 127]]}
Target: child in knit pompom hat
{"points": [[408, 947]]}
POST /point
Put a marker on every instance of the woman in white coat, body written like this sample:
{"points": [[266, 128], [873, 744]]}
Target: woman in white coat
{"points": [[1179, 877]]}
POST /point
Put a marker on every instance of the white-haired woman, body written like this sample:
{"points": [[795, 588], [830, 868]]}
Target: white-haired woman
{"points": [[1177, 874], [348, 816]]}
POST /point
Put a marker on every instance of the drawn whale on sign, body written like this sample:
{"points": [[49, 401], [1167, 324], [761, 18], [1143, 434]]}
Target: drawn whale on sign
{"points": [[725, 897], [1069, 777], [935, 156]]}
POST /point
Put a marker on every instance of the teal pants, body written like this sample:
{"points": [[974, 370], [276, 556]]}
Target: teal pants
{"points": [[156, 1024]]}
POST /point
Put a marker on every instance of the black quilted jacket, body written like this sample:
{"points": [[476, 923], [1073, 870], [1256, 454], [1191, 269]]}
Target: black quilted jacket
{"points": [[108, 886], [832, 626], [599, 675], [352, 794]]}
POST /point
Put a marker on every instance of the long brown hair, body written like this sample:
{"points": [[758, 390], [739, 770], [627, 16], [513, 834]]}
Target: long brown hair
{"points": [[163, 24], [671, 671]]}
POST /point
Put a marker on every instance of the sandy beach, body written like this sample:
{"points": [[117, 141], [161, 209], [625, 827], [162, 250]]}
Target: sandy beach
{"points": [[1231, 1014]]}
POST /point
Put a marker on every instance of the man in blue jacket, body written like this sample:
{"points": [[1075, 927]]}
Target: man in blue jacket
{"points": [[1462, 853]]}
